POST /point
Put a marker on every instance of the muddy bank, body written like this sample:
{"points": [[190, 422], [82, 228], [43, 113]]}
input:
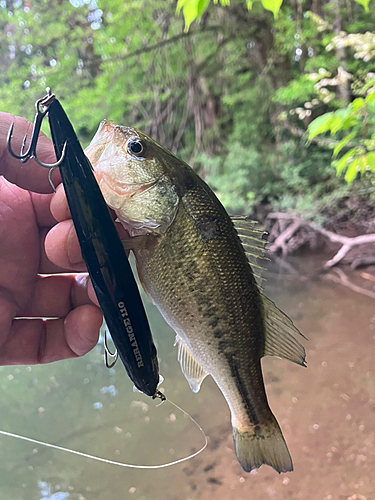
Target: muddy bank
{"points": [[345, 240], [323, 232]]}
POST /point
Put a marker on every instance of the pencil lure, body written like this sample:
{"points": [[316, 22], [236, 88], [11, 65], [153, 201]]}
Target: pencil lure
{"points": [[106, 261], [105, 258]]}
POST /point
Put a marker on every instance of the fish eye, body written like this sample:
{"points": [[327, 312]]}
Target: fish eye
{"points": [[136, 147]]}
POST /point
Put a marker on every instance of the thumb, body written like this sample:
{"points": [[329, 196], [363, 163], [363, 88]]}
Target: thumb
{"points": [[30, 175]]}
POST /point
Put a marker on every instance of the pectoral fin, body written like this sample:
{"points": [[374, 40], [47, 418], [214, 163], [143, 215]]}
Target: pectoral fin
{"points": [[251, 235], [280, 334], [193, 371]]}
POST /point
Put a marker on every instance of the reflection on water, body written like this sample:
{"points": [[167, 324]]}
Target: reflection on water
{"points": [[326, 412]]}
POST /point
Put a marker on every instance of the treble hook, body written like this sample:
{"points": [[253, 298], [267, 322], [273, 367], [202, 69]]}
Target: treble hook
{"points": [[108, 353], [41, 109]]}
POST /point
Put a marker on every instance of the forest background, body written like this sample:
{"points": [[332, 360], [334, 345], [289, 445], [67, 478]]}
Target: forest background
{"points": [[234, 94]]}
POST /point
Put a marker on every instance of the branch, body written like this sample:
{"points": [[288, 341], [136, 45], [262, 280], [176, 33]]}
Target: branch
{"points": [[282, 239], [295, 223], [162, 43], [346, 242], [343, 280], [280, 215]]}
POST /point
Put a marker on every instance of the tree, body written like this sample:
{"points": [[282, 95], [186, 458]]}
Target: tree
{"points": [[233, 96], [194, 9]]}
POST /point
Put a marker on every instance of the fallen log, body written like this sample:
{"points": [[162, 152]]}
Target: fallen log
{"points": [[281, 242], [346, 242], [294, 224]]}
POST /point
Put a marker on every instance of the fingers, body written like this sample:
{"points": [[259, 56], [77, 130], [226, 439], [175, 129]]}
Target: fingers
{"points": [[28, 175], [40, 341], [82, 327], [41, 204], [57, 296], [60, 210], [62, 247], [59, 205], [61, 244], [45, 265]]}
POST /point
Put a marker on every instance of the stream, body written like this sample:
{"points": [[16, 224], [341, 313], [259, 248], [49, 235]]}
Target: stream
{"points": [[326, 412]]}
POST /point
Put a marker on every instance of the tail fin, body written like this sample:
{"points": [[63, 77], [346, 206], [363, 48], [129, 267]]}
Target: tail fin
{"points": [[262, 444]]}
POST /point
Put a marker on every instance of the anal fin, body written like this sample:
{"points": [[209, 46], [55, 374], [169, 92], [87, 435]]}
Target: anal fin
{"points": [[280, 334], [192, 370]]}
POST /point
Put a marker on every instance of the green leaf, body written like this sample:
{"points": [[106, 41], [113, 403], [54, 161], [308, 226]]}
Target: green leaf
{"points": [[370, 157], [370, 97], [352, 171], [344, 112], [350, 121], [358, 104], [190, 11], [320, 125], [362, 164], [273, 6], [343, 143], [249, 4], [368, 85], [335, 124], [342, 163], [364, 3], [180, 5], [202, 6]]}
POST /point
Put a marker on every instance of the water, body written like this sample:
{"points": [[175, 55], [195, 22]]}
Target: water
{"points": [[326, 412]]}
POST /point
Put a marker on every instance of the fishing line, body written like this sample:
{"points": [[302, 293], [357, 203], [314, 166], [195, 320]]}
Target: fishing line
{"points": [[113, 462]]}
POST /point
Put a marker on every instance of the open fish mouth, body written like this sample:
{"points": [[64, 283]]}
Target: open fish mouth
{"points": [[101, 152], [104, 135], [107, 182]]}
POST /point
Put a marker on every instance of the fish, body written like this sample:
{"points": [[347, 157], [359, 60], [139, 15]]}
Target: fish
{"points": [[199, 267]]}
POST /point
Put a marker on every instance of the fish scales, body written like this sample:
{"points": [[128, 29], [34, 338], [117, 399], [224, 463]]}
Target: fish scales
{"points": [[200, 277], [193, 266]]}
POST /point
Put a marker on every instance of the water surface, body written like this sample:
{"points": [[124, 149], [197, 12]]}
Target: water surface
{"points": [[326, 412]]}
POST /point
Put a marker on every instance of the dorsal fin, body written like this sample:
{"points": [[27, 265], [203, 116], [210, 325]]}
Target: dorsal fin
{"points": [[193, 371], [280, 334], [251, 235]]}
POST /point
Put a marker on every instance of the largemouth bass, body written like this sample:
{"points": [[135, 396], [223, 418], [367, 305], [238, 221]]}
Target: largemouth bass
{"points": [[194, 265]]}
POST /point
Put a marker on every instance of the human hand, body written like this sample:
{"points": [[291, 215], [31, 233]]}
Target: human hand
{"points": [[25, 220]]}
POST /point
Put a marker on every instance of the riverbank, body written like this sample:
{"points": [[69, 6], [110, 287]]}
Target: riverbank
{"points": [[346, 235]]}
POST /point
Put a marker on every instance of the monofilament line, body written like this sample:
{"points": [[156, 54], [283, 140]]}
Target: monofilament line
{"points": [[113, 462]]}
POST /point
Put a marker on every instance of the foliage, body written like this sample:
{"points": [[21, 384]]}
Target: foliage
{"points": [[194, 9], [357, 122], [233, 96], [335, 75], [354, 124]]}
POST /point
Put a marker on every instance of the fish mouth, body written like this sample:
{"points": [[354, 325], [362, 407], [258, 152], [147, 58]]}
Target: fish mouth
{"points": [[103, 136], [106, 182], [116, 196]]}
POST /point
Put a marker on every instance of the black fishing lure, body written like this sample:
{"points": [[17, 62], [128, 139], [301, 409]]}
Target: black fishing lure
{"points": [[102, 250]]}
